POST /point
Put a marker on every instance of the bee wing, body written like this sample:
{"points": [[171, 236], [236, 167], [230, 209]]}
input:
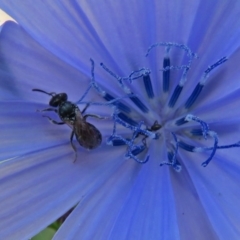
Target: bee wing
{"points": [[87, 134], [78, 114]]}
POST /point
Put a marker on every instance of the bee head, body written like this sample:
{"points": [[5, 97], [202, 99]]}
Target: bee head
{"points": [[57, 99]]}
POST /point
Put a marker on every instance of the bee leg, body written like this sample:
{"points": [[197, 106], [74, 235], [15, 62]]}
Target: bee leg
{"points": [[86, 107], [47, 109], [53, 121], [73, 146], [93, 115]]}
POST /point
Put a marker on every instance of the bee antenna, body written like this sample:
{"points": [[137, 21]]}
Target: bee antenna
{"points": [[39, 90]]}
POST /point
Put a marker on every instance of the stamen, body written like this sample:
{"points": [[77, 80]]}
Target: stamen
{"points": [[111, 139], [138, 130], [181, 121], [84, 95], [126, 119], [116, 140], [148, 86], [183, 47], [214, 135], [205, 133], [216, 64], [115, 101], [186, 146], [175, 96], [193, 97], [196, 132], [204, 125], [178, 166], [185, 68], [134, 99], [166, 74], [120, 105], [172, 157], [139, 104], [111, 100], [191, 148], [176, 149], [167, 67], [119, 79], [228, 146], [180, 86], [137, 150], [143, 72], [136, 159], [92, 84], [137, 74], [133, 149]]}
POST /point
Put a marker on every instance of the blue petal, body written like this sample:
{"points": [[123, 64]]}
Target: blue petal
{"points": [[39, 187], [220, 83], [72, 30], [135, 203], [92, 33], [25, 130], [26, 65], [218, 191], [192, 220]]}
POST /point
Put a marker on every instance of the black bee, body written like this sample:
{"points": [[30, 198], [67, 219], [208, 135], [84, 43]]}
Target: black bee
{"points": [[86, 134]]}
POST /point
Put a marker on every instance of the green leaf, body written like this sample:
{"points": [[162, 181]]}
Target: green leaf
{"points": [[46, 234]]}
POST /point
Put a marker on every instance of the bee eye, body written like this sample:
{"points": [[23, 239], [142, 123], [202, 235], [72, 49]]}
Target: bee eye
{"points": [[63, 97], [58, 99], [54, 102]]}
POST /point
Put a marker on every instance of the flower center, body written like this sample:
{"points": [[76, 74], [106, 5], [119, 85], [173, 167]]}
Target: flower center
{"points": [[168, 123]]}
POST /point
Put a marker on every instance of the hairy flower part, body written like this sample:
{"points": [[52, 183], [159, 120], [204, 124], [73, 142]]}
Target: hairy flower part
{"points": [[168, 165]]}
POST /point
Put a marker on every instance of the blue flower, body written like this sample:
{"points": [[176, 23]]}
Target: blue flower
{"points": [[172, 112]]}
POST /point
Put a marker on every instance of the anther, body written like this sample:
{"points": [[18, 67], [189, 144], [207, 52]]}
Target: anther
{"points": [[166, 74], [175, 96], [148, 86], [126, 119], [198, 89], [139, 104]]}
